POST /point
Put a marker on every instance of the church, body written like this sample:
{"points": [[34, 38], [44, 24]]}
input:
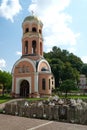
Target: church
{"points": [[31, 74]]}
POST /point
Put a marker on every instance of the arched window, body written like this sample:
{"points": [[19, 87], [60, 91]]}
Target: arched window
{"points": [[26, 47], [26, 30], [43, 84], [49, 83], [40, 31], [43, 69], [34, 29], [34, 47]]}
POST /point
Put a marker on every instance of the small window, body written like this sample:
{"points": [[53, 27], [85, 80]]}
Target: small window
{"points": [[26, 47], [34, 29], [51, 77], [34, 47], [39, 31], [26, 30], [43, 69], [43, 84], [52, 82]]}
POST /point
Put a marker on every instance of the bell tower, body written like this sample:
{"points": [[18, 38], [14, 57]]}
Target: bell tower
{"points": [[31, 74], [32, 41]]}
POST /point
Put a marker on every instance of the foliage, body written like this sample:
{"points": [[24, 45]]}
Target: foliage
{"points": [[69, 72], [75, 61], [67, 86], [5, 81], [84, 69], [64, 65], [75, 97], [5, 98]]}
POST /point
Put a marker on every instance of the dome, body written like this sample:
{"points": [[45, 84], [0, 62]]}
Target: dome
{"points": [[32, 18]]}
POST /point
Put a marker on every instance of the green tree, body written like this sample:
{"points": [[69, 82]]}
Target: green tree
{"points": [[56, 52], [67, 86], [69, 72], [57, 67], [64, 65], [5, 81], [75, 61], [84, 69], [64, 55]]}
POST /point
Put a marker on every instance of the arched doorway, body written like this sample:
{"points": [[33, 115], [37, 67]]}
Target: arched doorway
{"points": [[24, 89]]}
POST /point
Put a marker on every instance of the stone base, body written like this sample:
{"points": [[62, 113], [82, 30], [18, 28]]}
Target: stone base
{"points": [[31, 95], [34, 95]]}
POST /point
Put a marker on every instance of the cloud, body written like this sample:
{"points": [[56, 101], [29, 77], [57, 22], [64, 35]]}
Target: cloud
{"points": [[56, 30], [19, 53], [84, 59], [2, 64], [72, 49], [10, 8]]}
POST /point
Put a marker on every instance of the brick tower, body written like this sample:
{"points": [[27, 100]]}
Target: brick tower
{"points": [[31, 74]]}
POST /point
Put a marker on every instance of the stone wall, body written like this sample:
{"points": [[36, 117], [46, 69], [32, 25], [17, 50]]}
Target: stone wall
{"points": [[73, 111]]}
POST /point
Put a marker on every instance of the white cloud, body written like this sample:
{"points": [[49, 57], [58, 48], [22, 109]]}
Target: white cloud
{"points": [[10, 8], [2, 64], [84, 59], [18, 53], [56, 30], [72, 49]]}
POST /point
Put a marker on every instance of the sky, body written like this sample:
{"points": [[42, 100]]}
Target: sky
{"points": [[64, 26]]}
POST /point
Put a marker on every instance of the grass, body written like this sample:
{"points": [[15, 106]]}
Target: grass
{"points": [[75, 96], [5, 98], [36, 99]]}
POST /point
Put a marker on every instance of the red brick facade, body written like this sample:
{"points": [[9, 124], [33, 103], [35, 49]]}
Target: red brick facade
{"points": [[31, 74]]}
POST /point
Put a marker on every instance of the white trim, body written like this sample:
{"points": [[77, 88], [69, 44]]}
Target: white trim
{"points": [[43, 60], [30, 36], [12, 84], [36, 82], [18, 82], [22, 60]]}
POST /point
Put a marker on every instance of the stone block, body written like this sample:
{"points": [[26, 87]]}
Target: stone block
{"points": [[7, 108]]}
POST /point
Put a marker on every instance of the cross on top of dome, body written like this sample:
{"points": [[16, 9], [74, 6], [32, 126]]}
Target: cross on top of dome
{"points": [[32, 11]]}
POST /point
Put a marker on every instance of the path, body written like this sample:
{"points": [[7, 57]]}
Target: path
{"points": [[8, 122]]}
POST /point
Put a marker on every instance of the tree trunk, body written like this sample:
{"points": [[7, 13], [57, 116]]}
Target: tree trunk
{"points": [[66, 94], [3, 91]]}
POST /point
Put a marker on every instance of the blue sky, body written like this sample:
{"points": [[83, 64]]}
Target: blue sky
{"points": [[64, 26]]}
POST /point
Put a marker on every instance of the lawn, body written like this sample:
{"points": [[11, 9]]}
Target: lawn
{"points": [[5, 98], [36, 99], [75, 96]]}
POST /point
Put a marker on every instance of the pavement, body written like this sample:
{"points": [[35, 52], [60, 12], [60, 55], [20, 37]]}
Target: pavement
{"points": [[8, 122]]}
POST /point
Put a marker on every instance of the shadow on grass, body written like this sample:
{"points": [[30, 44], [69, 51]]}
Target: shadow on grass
{"points": [[5, 98]]}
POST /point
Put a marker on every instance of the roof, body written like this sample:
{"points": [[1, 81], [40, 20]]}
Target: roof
{"points": [[32, 18]]}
